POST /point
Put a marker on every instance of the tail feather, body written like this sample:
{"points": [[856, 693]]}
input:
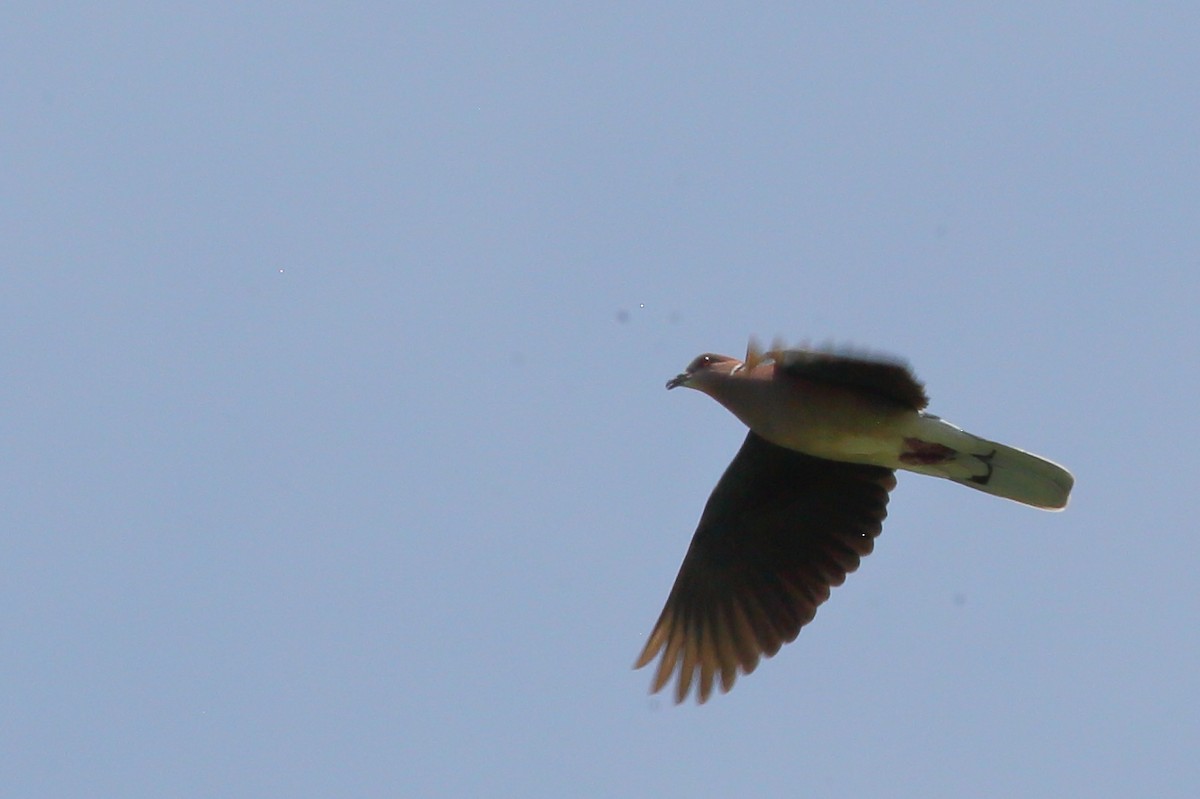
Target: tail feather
{"points": [[994, 468]]}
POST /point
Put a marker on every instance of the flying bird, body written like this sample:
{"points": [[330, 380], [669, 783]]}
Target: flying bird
{"points": [[805, 497]]}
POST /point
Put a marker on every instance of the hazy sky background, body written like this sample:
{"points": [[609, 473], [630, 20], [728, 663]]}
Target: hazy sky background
{"points": [[336, 455]]}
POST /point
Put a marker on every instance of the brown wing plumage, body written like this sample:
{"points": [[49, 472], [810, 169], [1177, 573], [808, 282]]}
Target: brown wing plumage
{"points": [[879, 375], [780, 529]]}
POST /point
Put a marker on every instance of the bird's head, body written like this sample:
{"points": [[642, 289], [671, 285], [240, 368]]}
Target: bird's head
{"points": [[709, 369], [704, 370]]}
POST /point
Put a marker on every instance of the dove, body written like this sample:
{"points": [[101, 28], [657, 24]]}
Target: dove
{"points": [[805, 497]]}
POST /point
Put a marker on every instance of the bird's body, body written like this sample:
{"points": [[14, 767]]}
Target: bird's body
{"points": [[805, 497], [835, 422], [870, 411]]}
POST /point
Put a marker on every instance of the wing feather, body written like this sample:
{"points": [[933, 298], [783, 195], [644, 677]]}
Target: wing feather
{"points": [[780, 529]]}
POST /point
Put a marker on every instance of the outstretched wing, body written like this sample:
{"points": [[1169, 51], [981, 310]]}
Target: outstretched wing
{"points": [[880, 375], [780, 529]]}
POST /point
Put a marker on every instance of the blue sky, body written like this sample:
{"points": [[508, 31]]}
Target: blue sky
{"points": [[336, 455]]}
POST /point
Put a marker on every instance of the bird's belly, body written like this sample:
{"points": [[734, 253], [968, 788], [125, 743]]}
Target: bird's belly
{"points": [[843, 429], [875, 447]]}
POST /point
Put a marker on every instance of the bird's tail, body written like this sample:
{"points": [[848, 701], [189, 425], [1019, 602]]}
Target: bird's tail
{"points": [[940, 449]]}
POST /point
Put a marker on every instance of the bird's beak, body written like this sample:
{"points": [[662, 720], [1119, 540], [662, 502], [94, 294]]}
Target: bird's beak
{"points": [[679, 380]]}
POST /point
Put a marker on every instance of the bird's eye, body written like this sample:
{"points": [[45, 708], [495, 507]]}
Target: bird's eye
{"points": [[701, 362]]}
